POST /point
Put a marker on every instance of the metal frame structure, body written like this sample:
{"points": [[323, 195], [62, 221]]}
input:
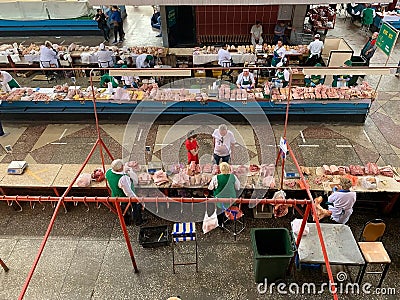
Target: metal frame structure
{"points": [[113, 202]]}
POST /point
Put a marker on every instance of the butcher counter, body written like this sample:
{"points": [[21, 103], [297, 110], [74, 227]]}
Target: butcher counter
{"points": [[53, 179]]}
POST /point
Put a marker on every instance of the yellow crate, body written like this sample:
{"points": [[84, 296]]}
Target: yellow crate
{"points": [[217, 73], [200, 73]]}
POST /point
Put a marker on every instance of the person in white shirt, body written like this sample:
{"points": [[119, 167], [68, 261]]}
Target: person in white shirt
{"points": [[48, 56], [105, 57], [340, 203], [7, 81], [223, 141], [256, 34], [279, 53], [315, 48], [144, 60], [245, 80], [224, 57]]}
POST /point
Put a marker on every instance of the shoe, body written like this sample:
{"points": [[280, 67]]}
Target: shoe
{"points": [[397, 75], [106, 41], [159, 35], [115, 42], [120, 41], [5, 134]]}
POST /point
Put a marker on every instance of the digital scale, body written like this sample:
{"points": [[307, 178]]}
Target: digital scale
{"points": [[17, 167]]}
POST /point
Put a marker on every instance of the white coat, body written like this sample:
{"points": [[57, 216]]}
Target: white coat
{"points": [[48, 54]]}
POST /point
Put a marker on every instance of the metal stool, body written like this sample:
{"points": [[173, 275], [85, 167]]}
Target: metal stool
{"points": [[4, 265], [184, 232], [374, 253], [234, 214]]}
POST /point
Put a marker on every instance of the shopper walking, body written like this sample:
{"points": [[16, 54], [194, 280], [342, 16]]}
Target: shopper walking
{"points": [[256, 34], [102, 24], [116, 19], [223, 141], [192, 147], [369, 48], [398, 70]]}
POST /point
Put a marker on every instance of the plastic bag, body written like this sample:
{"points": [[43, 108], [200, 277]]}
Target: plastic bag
{"points": [[84, 180], [296, 224], [369, 182], [210, 222]]}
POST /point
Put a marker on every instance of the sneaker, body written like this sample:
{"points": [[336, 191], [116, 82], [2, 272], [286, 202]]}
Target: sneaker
{"points": [[159, 35], [120, 41], [115, 42], [5, 134]]}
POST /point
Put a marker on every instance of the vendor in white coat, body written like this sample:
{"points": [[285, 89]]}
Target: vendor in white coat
{"points": [[48, 56], [245, 80], [256, 34], [279, 53], [315, 48], [224, 57], [144, 61], [105, 57], [7, 82]]}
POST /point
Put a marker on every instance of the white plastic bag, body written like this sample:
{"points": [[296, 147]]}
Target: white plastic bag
{"points": [[369, 182], [296, 224], [210, 222]]}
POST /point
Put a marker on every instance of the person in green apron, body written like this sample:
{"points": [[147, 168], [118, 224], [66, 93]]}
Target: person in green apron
{"points": [[106, 78], [121, 185], [313, 80], [283, 76], [7, 82], [224, 185], [245, 80], [279, 53], [342, 80]]}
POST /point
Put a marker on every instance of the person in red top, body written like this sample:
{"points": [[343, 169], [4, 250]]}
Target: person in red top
{"points": [[192, 147]]}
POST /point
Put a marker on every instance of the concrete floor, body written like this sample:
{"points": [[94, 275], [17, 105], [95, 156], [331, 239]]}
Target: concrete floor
{"points": [[86, 257]]}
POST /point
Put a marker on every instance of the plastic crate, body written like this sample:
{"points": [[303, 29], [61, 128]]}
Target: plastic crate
{"points": [[154, 236]]}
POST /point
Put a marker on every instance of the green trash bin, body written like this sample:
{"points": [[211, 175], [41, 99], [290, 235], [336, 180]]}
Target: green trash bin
{"points": [[273, 249]]}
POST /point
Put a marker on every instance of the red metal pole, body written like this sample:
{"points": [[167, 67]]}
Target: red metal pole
{"points": [[126, 235], [153, 200], [50, 227], [321, 238]]}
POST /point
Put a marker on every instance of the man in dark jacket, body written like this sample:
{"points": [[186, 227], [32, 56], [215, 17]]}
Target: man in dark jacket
{"points": [[369, 48], [116, 19], [101, 20]]}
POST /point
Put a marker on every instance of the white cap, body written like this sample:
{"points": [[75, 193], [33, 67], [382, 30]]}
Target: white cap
{"points": [[102, 46], [117, 164], [246, 70], [317, 36]]}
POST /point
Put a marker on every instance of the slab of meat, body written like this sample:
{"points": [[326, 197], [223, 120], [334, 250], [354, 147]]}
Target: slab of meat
{"points": [[327, 170], [371, 169], [254, 168], [180, 179], [160, 177], [356, 170], [321, 212], [207, 168], [144, 178], [342, 170], [241, 170], [334, 169], [268, 182], [267, 170], [215, 170], [386, 171]]}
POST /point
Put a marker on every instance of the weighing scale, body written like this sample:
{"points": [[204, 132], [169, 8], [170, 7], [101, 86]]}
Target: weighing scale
{"points": [[17, 167]]}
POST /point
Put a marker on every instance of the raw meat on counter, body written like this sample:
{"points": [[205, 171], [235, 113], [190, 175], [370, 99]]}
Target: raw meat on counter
{"points": [[371, 169], [356, 170], [160, 177]]}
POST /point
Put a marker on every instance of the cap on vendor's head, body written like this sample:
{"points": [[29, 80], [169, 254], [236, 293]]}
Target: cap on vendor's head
{"points": [[348, 63], [117, 165], [191, 134], [149, 57], [317, 36], [345, 183], [102, 46], [224, 168], [246, 70]]}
